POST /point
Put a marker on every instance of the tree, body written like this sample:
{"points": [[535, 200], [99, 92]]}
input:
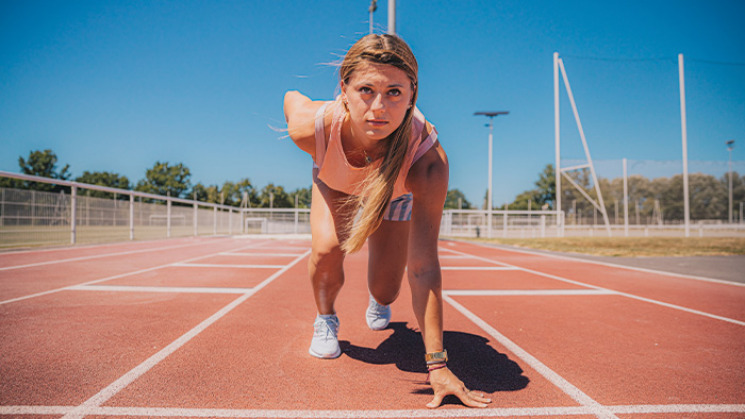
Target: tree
{"points": [[43, 164], [545, 192], [274, 197], [112, 180], [164, 179], [456, 199], [303, 197], [233, 193]]}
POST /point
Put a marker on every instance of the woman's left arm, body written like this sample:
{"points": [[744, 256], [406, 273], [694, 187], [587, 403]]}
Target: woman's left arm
{"points": [[428, 182]]}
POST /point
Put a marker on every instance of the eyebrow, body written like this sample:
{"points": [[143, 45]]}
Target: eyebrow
{"points": [[366, 83]]}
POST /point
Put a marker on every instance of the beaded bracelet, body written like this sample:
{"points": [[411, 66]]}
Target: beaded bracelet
{"points": [[435, 367]]}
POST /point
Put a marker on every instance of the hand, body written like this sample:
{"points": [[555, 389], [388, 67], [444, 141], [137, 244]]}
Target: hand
{"points": [[444, 383]]}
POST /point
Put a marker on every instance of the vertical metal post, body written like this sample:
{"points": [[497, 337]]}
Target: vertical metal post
{"points": [[214, 221], [684, 135], [131, 216], [625, 200], [730, 146], [504, 221], [168, 218], [392, 17], [557, 145], [195, 221], [230, 220], [73, 214], [489, 201], [373, 7]]}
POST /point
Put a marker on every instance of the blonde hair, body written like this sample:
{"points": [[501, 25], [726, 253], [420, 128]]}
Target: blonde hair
{"points": [[377, 189]]}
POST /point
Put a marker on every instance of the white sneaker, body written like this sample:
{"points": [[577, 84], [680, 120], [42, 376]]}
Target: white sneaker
{"points": [[325, 343], [378, 316]]}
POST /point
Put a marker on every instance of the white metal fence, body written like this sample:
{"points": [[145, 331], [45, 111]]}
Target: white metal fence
{"points": [[33, 218]]}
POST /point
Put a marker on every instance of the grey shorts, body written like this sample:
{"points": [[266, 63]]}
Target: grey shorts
{"points": [[399, 209]]}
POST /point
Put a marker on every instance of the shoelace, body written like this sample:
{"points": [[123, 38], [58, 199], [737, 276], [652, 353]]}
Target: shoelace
{"points": [[320, 325], [378, 308]]}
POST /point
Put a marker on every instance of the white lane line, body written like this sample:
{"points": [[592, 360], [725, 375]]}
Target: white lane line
{"points": [[575, 393], [647, 300], [131, 288], [479, 268], [413, 413], [225, 265], [613, 265], [77, 259], [109, 278], [218, 265], [624, 294], [478, 293], [261, 255], [112, 389]]}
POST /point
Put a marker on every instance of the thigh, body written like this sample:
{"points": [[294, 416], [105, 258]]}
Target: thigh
{"points": [[328, 218], [387, 259]]}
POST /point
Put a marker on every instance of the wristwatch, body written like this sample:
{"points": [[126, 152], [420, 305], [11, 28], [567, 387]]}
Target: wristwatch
{"points": [[436, 357]]}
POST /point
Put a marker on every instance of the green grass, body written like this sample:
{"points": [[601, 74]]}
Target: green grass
{"points": [[633, 246]]}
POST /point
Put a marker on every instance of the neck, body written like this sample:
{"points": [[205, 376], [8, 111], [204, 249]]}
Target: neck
{"points": [[357, 146]]}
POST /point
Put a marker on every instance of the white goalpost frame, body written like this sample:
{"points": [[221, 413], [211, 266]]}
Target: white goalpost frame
{"points": [[600, 206]]}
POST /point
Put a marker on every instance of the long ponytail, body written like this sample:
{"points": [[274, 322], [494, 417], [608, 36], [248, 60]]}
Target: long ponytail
{"points": [[377, 189]]}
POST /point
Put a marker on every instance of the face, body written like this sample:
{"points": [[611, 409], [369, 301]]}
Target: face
{"points": [[378, 96]]}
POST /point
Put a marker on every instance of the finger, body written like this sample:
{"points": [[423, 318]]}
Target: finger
{"points": [[479, 397], [469, 400], [436, 401]]}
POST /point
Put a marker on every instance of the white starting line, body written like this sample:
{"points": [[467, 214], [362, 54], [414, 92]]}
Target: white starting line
{"points": [[164, 412]]}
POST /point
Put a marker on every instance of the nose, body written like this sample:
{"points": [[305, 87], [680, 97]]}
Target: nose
{"points": [[377, 103]]}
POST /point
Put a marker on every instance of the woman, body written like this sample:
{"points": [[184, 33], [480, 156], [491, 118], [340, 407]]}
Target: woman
{"points": [[373, 151]]}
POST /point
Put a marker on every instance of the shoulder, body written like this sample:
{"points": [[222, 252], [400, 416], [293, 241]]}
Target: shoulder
{"points": [[300, 114], [430, 174]]}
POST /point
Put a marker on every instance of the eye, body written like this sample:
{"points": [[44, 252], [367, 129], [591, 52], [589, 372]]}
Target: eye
{"points": [[365, 90], [394, 92]]}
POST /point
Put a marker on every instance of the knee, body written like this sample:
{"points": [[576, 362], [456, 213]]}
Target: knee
{"points": [[327, 257]]}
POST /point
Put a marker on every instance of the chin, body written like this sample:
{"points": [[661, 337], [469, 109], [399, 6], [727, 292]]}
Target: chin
{"points": [[377, 135]]}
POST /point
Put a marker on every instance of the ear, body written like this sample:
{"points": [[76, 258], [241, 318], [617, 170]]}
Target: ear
{"points": [[343, 90]]}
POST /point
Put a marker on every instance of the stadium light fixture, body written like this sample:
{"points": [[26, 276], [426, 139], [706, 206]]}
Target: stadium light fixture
{"points": [[490, 115]]}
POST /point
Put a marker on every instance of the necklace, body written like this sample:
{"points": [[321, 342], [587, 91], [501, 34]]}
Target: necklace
{"points": [[368, 160]]}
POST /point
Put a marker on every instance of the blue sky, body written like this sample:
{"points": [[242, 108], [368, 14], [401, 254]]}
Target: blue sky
{"points": [[117, 85]]}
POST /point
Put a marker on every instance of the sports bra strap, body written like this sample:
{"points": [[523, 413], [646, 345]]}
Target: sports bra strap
{"points": [[320, 135]]}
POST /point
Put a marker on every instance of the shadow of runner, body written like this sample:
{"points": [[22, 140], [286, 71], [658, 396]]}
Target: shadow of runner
{"points": [[477, 364]]}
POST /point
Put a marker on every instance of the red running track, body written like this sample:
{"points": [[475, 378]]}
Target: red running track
{"points": [[220, 327]]}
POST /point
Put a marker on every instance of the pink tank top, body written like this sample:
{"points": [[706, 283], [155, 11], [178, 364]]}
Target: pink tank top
{"points": [[338, 174]]}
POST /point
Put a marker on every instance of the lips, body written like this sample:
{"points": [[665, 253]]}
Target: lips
{"points": [[377, 122]]}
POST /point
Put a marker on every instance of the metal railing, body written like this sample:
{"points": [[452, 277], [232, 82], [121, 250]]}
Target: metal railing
{"points": [[29, 217], [33, 218]]}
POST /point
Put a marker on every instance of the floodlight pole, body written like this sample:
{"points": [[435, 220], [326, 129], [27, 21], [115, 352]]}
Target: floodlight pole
{"points": [[684, 134], [373, 7], [392, 17], [730, 146], [489, 205]]}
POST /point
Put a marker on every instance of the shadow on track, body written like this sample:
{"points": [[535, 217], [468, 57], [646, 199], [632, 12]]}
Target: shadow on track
{"points": [[477, 364]]}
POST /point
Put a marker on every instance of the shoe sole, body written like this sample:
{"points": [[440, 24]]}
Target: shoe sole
{"points": [[377, 329], [325, 356]]}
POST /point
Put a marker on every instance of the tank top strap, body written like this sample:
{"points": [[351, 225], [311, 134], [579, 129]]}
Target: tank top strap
{"points": [[320, 135]]}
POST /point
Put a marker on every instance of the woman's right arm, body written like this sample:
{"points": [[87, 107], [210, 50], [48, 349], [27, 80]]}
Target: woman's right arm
{"points": [[300, 113]]}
